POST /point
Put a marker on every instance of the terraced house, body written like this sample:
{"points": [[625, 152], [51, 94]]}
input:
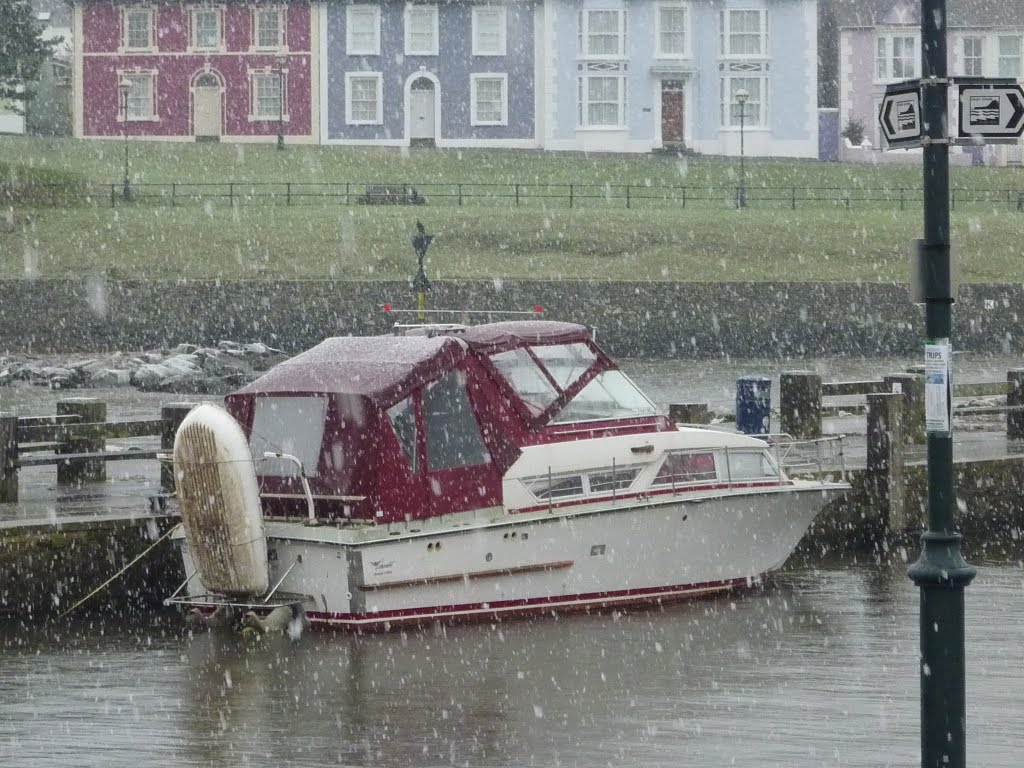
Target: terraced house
{"points": [[591, 75], [880, 43], [233, 71]]}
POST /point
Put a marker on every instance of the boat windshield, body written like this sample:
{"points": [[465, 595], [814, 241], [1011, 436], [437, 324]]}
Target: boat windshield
{"points": [[541, 377], [610, 395]]}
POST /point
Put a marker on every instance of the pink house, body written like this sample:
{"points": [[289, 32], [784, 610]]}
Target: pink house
{"points": [[204, 71]]}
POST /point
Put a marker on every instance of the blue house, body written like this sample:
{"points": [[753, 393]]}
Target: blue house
{"points": [[590, 75], [447, 74], [638, 75]]}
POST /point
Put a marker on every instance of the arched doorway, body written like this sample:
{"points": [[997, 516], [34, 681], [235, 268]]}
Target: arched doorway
{"points": [[206, 107], [422, 106]]}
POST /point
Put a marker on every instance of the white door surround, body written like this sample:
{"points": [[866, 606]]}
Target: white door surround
{"points": [[422, 108], [207, 121]]}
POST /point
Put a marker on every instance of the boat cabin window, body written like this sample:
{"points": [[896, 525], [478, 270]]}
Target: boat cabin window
{"points": [[615, 479], [403, 421], [292, 425], [610, 395], [526, 378], [681, 468], [453, 435], [565, 362], [751, 465], [556, 487]]}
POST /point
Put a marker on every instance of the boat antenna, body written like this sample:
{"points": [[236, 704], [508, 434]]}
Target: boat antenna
{"points": [[420, 242]]}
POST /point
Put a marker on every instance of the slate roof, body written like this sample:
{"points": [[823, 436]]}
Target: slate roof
{"points": [[962, 13]]}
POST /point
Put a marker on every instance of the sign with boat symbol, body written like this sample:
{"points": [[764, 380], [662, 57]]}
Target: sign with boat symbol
{"points": [[900, 115], [991, 109]]}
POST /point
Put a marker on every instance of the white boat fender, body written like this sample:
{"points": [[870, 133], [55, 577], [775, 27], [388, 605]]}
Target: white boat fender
{"points": [[219, 502]]}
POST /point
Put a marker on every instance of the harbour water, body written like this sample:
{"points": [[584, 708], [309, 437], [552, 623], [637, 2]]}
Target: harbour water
{"points": [[820, 668]]}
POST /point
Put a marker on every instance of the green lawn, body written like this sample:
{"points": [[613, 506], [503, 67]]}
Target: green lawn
{"points": [[703, 241]]}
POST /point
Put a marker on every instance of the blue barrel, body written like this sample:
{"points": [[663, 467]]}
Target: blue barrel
{"points": [[753, 405]]}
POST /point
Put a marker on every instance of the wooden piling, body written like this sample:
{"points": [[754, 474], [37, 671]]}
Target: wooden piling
{"points": [[1015, 397], [172, 414], [911, 387], [89, 410], [883, 480], [8, 458], [689, 413], [800, 404]]}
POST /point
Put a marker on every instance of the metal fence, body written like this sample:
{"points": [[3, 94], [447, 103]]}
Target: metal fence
{"points": [[536, 195]]}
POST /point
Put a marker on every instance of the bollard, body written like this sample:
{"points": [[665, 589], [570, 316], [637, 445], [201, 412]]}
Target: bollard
{"points": [[753, 405], [172, 414], [8, 458], [800, 404], [689, 413], [1015, 397], [76, 471], [911, 386], [883, 480]]}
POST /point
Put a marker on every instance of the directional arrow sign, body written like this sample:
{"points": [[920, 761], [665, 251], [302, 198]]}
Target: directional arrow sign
{"points": [[900, 115], [991, 110]]}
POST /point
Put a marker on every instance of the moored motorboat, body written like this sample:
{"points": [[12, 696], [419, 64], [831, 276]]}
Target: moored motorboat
{"points": [[471, 472]]}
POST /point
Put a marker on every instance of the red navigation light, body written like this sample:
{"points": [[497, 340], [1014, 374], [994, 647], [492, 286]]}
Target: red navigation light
{"points": [[538, 310], [387, 307]]}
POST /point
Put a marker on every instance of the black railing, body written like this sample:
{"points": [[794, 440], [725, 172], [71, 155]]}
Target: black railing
{"points": [[515, 194]]}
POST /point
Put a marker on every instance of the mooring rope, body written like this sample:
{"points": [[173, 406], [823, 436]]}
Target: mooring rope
{"points": [[106, 583]]}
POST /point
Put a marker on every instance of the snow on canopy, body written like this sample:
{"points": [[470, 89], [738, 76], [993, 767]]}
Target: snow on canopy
{"points": [[384, 369], [498, 337]]}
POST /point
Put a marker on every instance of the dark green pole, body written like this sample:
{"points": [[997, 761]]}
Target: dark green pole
{"points": [[420, 242], [941, 572]]}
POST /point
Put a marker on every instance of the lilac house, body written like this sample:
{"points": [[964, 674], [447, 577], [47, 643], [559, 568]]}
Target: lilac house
{"points": [[447, 74], [880, 43]]}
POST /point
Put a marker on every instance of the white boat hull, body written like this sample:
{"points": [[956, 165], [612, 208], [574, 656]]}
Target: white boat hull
{"points": [[495, 564]]}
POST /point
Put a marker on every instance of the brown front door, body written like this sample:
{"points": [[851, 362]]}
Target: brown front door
{"points": [[671, 112]]}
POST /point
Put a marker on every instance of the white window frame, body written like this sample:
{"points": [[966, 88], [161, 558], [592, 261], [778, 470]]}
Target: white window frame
{"points": [[282, 22], [474, 79], [282, 115], [1000, 57], [150, 46], [672, 6], [478, 11], [150, 117], [885, 58], [379, 78], [583, 100], [978, 57], [584, 34], [193, 39], [350, 47], [727, 33], [727, 102], [417, 9]]}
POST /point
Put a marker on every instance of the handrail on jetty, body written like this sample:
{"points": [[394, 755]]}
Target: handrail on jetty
{"points": [[74, 440]]}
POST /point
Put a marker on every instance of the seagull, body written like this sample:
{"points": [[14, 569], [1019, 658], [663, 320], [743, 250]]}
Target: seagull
{"points": [[289, 619], [224, 617]]}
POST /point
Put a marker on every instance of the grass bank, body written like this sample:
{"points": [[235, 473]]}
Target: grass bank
{"points": [[599, 238], [370, 243]]}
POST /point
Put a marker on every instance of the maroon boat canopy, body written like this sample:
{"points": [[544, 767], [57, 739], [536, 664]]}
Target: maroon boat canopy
{"points": [[384, 369], [500, 337]]}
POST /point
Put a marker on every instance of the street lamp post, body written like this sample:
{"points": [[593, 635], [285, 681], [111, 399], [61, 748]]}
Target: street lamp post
{"points": [[124, 86], [420, 242], [741, 98], [279, 62], [941, 573]]}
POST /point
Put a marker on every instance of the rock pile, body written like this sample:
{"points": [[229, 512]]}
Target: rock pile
{"points": [[185, 369]]}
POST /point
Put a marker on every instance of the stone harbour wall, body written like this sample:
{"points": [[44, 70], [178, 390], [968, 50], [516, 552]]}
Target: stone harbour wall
{"points": [[634, 319]]}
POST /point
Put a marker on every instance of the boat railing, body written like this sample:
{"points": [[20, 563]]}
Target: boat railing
{"points": [[816, 458]]}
